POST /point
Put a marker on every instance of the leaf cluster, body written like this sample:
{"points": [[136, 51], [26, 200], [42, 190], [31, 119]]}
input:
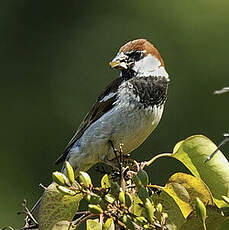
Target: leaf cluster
{"points": [[126, 199]]}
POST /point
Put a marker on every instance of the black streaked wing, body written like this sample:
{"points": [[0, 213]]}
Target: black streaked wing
{"points": [[103, 104]]}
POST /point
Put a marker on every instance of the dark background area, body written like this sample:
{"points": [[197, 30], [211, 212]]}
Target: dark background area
{"points": [[54, 59]]}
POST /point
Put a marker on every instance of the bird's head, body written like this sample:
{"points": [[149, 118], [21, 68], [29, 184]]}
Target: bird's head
{"points": [[140, 57]]}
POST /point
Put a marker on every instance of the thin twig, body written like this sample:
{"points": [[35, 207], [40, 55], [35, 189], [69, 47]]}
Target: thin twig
{"points": [[8, 227], [35, 226], [28, 213], [42, 186], [225, 140], [155, 186], [81, 213], [78, 222], [221, 91], [122, 180], [137, 165]]}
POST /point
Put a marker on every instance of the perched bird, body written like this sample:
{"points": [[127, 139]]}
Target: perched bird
{"points": [[126, 112]]}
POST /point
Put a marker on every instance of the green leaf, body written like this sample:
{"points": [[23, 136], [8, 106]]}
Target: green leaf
{"points": [[109, 198], [143, 176], [184, 188], [137, 208], [85, 179], [143, 193], [128, 199], [226, 199], [214, 221], [96, 209], [109, 224], [93, 225], [192, 152], [105, 181], [70, 172], [175, 216], [149, 210], [62, 225], [60, 178], [56, 207], [201, 211], [121, 196], [95, 199], [126, 219]]}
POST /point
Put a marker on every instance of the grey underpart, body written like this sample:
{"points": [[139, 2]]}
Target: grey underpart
{"points": [[129, 122]]}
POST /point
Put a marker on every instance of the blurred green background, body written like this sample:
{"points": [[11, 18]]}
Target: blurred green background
{"points": [[54, 63]]}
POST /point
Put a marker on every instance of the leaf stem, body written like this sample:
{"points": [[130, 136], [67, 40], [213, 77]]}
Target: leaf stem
{"points": [[148, 163], [204, 225]]}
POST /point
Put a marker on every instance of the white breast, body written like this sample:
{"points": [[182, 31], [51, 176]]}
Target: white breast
{"points": [[134, 123], [127, 123]]}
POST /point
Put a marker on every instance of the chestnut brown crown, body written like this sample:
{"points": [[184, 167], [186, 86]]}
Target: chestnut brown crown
{"points": [[142, 45]]}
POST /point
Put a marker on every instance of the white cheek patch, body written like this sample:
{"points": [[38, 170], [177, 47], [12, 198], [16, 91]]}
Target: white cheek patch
{"points": [[161, 72], [148, 66], [148, 63]]}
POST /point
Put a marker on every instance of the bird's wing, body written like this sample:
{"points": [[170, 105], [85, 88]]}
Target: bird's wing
{"points": [[104, 103]]}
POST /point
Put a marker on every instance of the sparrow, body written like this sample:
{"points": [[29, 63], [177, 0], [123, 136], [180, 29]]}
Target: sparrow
{"points": [[125, 113], [127, 110]]}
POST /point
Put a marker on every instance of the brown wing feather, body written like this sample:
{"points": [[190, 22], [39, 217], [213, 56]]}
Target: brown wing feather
{"points": [[97, 111]]}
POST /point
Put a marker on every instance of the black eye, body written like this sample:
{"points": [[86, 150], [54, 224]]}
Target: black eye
{"points": [[136, 55]]}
